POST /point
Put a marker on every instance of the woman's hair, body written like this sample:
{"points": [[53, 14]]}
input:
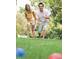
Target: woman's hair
{"points": [[26, 7]]}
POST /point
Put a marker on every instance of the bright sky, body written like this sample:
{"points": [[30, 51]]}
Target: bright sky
{"points": [[21, 3]]}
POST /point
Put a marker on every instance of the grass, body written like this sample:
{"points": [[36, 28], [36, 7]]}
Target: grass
{"points": [[38, 48]]}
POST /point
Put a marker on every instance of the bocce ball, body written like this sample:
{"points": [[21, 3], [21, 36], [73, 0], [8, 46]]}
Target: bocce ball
{"points": [[20, 52], [55, 56]]}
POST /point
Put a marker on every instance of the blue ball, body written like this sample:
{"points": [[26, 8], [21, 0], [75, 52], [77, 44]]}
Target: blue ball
{"points": [[20, 52]]}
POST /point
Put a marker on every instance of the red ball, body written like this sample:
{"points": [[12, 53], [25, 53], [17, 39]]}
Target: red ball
{"points": [[55, 56]]}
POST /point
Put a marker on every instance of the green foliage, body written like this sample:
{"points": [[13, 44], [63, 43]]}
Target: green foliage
{"points": [[22, 10], [55, 33], [56, 13], [20, 23]]}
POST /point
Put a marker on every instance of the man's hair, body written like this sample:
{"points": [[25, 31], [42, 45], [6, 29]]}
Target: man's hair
{"points": [[41, 4]]}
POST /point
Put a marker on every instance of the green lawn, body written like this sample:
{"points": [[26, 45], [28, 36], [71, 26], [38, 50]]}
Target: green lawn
{"points": [[38, 48]]}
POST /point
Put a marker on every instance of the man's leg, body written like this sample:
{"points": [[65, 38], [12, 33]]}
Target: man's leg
{"points": [[43, 34], [44, 30], [40, 29]]}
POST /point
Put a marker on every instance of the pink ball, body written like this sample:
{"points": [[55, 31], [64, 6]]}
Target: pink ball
{"points": [[55, 56]]}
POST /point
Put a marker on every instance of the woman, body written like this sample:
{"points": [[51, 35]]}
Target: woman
{"points": [[31, 19]]}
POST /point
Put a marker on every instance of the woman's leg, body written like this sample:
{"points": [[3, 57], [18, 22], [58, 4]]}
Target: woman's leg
{"points": [[33, 30], [28, 29]]}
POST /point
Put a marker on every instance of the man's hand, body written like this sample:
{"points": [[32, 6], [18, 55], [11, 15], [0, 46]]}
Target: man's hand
{"points": [[46, 17]]}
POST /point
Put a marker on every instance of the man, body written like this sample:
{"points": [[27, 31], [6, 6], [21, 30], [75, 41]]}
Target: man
{"points": [[43, 16]]}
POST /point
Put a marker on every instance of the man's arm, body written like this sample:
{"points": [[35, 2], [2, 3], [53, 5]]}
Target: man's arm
{"points": [[48, 13]]}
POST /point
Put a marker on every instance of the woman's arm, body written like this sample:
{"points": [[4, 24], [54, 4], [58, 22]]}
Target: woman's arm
{"points": [[25, 15], [34, 16]]}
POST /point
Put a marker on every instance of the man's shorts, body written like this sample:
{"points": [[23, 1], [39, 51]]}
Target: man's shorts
{"points": [[42, 26]]}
